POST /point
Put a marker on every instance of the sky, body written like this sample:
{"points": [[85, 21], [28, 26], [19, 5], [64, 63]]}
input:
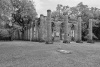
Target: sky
{"points": [[43, 5]]}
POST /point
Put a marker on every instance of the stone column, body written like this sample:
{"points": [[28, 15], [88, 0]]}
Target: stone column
{"points": [[90, 39], [30, 28], [33, 37], [39, 33], [41, 28], [66, 40], [69, 32], [45, 28], [79, 31], [49, 31], [31, 31], [76, 32], [36, 30], [28, 32]]}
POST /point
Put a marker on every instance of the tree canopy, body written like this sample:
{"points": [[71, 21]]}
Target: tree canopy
{"points": [[82, 10], [16, 13], [24, 11]]}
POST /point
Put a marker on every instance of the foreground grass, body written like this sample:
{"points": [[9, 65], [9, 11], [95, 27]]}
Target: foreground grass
{"points": [[30, 54]]}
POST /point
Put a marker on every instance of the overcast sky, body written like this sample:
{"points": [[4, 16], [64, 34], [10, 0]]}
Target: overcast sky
{"points": [[43, 5]]}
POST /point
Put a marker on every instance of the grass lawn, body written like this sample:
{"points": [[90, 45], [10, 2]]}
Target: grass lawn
{"points": [[33, 54]]}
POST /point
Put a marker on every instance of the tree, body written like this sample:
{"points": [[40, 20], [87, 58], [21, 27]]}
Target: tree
{"points": [[5, 17], [24, 11], [82, 10], [16, 13], [5, 10]]}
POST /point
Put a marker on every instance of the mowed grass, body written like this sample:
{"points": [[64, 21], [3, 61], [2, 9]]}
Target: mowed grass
{"points": [[33, 54]]}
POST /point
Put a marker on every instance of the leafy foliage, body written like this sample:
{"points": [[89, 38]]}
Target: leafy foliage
{"points": [[80, 10], [16, 13], [24, 11]]}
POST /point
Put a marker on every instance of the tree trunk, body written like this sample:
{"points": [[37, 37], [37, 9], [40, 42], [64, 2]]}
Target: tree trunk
{"points": [[18, 35], [61, 34], [24, 34]]}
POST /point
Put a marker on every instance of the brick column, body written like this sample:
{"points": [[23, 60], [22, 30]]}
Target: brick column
{"points": [[25, 33], [28, 32], [69, 32], [36, 30], [66, 30], [33, 37], [79, 31], [76, 31], [49, 31], [90, 39], [41, 28], [31, 31], [39, 33], [45, 28]]}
